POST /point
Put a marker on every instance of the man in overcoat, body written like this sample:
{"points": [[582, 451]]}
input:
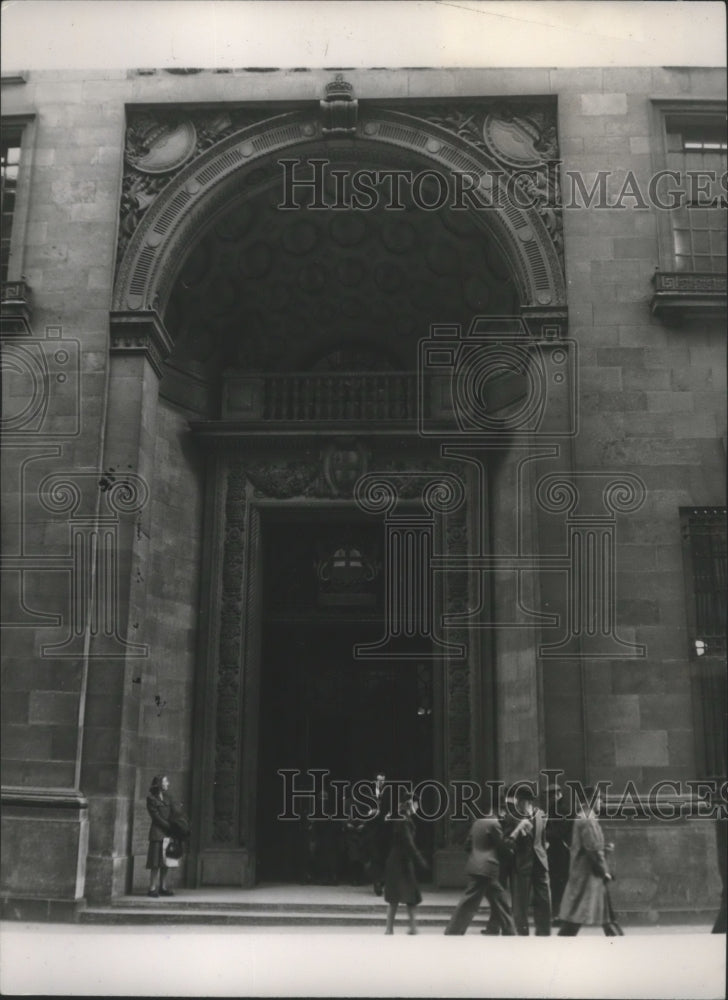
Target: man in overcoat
{"points": [[585, 898]]}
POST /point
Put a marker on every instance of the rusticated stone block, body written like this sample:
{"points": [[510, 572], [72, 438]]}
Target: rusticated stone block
{"points": [[604, 104], [614, 712], [53, 707], [44, 850], [641, 749], [665, 711]]}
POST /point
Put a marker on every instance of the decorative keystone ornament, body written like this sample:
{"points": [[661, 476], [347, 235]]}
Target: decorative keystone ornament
{"points": [[339, 108], [344, 462]]}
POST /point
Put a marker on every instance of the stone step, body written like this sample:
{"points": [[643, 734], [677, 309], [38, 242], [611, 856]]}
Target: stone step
{"points": [[259, 916], [180, 903]]}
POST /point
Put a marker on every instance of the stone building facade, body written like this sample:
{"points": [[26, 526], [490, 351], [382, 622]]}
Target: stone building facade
{"points": [[421, 362]]}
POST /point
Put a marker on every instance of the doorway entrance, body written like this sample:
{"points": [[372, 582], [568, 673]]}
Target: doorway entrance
{"points": [[322, 705]]}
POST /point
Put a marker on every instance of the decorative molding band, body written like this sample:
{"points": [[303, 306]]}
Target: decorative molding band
{"points": [[141, 333], [680, 293], [54, 798]]}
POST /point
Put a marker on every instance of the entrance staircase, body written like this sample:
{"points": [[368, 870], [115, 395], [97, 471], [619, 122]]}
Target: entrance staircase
{"points": [[276, 906]]}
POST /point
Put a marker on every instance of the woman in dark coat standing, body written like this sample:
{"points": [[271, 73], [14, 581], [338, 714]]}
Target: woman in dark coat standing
{"points": [[400, 884], [159, 807]]}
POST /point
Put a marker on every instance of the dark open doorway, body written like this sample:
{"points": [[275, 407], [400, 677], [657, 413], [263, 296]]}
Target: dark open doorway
{"points": [[321, 705]]}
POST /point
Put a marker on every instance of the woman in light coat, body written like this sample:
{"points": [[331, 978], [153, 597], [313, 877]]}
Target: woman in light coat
{"points": [[585, 897]]}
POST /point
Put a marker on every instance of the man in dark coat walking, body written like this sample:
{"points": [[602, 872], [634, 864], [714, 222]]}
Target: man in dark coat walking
{"points": [[558, 846], [484, 844], [525, 833], [375, 835]]}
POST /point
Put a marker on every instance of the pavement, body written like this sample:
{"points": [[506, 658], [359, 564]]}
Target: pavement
{"points": [[245, 961]]}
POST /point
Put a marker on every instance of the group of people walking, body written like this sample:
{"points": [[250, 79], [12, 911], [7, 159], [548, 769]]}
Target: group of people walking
{"points": [[517, 851], [518, 858], [521, 858]]}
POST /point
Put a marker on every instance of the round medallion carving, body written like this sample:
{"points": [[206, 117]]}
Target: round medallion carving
{"points": [[457, 222], [255, 260], [350, 307], [222, 295], [389, 277], [399, 237], [197, 265], [513, 140], [234, 225], [161, 147], [350, 271], [312, 277], [300, 237], [278, 297], [443, 258], [348, 229]]}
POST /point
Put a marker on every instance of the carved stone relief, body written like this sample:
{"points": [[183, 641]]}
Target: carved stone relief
{"points": [[522, 138], [228, 705], [158, 145], [457, 678]]}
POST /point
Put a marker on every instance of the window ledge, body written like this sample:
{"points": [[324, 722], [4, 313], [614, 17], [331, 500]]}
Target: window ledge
{"points": [[681, 294], [14, 79], [15, 307]]}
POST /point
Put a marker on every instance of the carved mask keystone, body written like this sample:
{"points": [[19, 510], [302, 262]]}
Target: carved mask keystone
{"points": [[344, 462]]}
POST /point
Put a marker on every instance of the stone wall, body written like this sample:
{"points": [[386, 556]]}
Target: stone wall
{"points": [[167, 678], [652, 404]]}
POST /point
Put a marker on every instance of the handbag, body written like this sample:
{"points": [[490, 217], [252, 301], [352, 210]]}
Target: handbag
{"points": [[173, 851]]}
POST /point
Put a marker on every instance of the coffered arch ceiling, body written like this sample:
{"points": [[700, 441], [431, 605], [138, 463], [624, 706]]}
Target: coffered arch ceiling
{"points": [[272, 290], [241, 283]]}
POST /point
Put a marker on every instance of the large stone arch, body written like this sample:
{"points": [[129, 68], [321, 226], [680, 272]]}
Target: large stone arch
{"points": [[233, 169], [168, 229]]}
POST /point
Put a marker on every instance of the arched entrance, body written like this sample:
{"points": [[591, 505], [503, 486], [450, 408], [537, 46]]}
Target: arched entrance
{"points": [[263, 311]]}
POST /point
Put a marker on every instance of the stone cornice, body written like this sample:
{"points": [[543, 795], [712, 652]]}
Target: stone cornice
{"points": [[141, 333], [54, 798]]}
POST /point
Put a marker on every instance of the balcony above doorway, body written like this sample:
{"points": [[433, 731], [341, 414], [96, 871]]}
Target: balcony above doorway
{"points": [[331, 398], [380, 402]]}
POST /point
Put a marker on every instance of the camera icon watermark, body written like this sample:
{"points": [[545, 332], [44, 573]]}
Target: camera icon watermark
{"points": [[41, 386], [496, 380]]}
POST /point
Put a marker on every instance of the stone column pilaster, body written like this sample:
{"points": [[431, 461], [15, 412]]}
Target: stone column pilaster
{"points": [[117, 653]]}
